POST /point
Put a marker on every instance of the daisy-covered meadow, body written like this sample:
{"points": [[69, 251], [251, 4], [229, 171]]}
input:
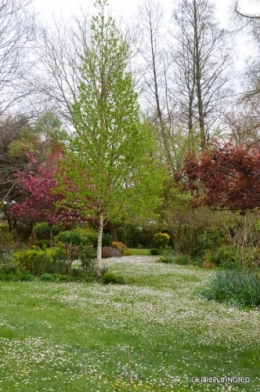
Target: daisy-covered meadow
{"points": [[153, 334]]}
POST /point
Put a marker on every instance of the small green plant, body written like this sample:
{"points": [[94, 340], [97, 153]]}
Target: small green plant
{"points": [[47, 278]]}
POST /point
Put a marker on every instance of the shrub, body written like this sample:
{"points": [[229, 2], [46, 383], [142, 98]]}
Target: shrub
{"points": [[155, 252], [61, 278], [42, 230], [211, 239], [111, 278], [5, 237], [234, 287], [122, 248], [183, 260], [37, 261], [161, 240], [223, 256], [108, 251], [107, 239], [166, 259], [27, 278], [71, 237], [86, 256], [43, 243], [47, 278], [78, 237]]}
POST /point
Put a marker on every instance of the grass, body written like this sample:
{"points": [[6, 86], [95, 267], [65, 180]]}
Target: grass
{"points": [[140, 252], [153, 335]]}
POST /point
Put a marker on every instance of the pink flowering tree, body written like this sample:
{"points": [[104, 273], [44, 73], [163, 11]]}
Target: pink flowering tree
{"points": [[42, 203]]}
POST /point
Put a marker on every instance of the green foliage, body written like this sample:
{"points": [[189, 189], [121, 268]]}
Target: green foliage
{"points": [[211, 238], [8, 269], [111, 278], [42, 230], [37, 261], [155, 251], [183, 260], [47, 278], [225, 257], [134, 236], [234, 287], [6, 237], [77, 237], [168, 259], [161, 240], [27, 278], [188, 241], [43, 244], [107, 239], [111, 160], [87, 255]]}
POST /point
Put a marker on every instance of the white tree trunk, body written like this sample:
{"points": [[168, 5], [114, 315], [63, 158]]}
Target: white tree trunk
{"points": [[99, 245]]}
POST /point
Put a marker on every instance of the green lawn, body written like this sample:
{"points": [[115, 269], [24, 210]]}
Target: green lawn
{"points": [[140, 252], [152, 335]]}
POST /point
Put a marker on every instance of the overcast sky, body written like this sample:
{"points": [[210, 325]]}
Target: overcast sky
{"points": [[48, 8]]}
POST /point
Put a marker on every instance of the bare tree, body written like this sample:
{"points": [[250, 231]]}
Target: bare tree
{"points": [[201, 61], [154, 86], [243, 125], [59, 52], [16, 33]]}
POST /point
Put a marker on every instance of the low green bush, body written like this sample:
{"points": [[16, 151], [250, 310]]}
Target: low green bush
{"points": [[47, 278], [234, 287], [27, 278], [111, 278]]}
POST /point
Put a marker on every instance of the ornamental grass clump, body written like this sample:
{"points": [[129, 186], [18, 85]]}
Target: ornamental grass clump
{"points": [[234, 288]]}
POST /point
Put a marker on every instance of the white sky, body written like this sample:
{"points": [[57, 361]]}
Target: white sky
{"points": [[48, 8]]}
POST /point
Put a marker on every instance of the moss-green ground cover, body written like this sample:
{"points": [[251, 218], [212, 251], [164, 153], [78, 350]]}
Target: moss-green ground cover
{"points": [[151, 335]]}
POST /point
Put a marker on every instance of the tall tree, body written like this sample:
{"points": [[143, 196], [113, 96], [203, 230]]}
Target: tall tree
{"points": [[16, 31], [201, 61], [111, 146]]}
